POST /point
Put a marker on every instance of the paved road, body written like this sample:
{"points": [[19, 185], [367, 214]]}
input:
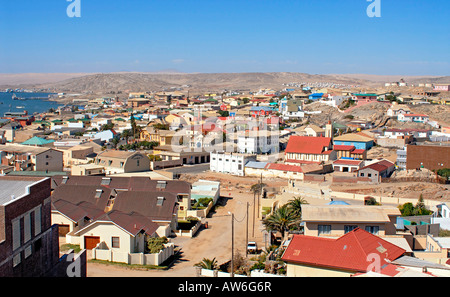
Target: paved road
{"points": [[214, 242]]}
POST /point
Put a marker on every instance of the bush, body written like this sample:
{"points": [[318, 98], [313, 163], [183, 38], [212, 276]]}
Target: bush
{"points": [[156, 244]]}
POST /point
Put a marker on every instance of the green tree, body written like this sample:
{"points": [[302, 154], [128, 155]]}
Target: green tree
{"points": [[283, 219], [207, 264], [296, 204], [257, 188]]}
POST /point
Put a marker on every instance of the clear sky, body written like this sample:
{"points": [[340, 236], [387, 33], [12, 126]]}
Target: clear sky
{"points": [[412, 37]]}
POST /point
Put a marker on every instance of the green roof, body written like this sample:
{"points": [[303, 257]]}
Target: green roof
{"points": [[37, 141]]}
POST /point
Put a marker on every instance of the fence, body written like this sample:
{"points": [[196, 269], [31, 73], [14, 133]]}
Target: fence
{"points": [[253, 273], [133, 258], [189, 233], [436, 179]]}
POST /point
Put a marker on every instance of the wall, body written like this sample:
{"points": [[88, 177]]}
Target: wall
{"points": [[430, 156], [297, 270], [54, 161]]}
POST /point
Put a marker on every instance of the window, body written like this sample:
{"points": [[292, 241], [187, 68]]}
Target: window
{"points": [[348, 228], [161, 185], [27, 227], [37, 221], [115, 242], [16, 233], [372, 229], [160, 201], [98, 193], [137, 163], [324, 229], [106, 181]]}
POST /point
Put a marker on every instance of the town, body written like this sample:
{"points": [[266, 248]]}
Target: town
{"points": [[250, 182]]}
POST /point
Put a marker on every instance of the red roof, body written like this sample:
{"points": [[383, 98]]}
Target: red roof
{"points": [[347, 162], [343, 147], [358, 151], [283, 167], [307, 144], [415, 115], [354, 251]]}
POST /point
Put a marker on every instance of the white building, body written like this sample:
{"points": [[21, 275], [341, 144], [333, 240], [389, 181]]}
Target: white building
{"points": [[229, 162], [258, 142], [416, 118]]}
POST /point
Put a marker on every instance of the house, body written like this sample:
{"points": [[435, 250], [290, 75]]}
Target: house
{"points": [[349, 152], [205, 189], [38, 141], [78, 154], [257, 111], [315, 96], [413, 117], [377, 170], [354, 139], [397, 109], [337, 220], [28, 240], [442, 87], [87, 169], [310, 130], [29, 158], [181, 189], [258, 142], [352, 253], [163, 137], [122, 161], [365, 97], [343, 165], [308, 149], [283, 171], [232, 163]]}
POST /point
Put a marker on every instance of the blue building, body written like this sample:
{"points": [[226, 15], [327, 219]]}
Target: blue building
{"points": [[356, 140], [315, 96]]}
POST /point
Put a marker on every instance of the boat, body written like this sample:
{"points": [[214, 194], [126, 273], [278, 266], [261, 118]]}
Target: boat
{"points": [[20, 107]]}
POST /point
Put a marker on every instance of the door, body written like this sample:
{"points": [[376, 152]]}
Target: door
{"points": [[91, 242], [63, 230]]}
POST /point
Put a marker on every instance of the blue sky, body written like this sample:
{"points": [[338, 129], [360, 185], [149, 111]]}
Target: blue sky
{"points": [[411, 37]]}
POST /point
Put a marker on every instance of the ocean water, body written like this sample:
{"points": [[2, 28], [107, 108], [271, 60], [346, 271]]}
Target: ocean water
{"points": [[31, 106]]}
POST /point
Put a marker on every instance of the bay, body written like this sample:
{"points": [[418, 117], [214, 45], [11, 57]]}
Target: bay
{"points": [[31, 106]]}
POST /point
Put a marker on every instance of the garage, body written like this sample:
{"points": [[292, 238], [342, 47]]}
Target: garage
{"points": [[91, 242], [63, 230]]}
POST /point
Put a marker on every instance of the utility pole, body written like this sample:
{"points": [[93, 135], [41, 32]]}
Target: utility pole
{"points": [[232, 245], [254, 208], [246, 235]]}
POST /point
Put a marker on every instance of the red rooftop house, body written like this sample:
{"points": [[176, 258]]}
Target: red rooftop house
{"points": [[307, 149], [358, 251], [365, 98]]}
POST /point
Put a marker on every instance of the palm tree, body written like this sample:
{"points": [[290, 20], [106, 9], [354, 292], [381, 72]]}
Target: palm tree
{"points": [[256, 188], [207, 264], [296, 204], [282, 219]]}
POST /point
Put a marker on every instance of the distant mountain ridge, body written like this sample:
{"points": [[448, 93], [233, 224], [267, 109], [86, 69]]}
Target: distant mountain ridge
{"points": [[140, 81]]}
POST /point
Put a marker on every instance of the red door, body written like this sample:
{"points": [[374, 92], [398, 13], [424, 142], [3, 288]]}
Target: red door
{"points": [[91, 242]]}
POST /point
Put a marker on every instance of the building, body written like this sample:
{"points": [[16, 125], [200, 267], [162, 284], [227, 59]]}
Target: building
{"points": [[87, 169], [365, 98], [337, 220], [401, 159], [30, 158], [354, 139], [308, 149], [397, 109], [343, 165], [442, 87], [413, 117], [352, 253], [432, 157], [349, 152], [258, 111], [377, 170], [29, 244], [258, 142], [122, 162], [232, 163]]}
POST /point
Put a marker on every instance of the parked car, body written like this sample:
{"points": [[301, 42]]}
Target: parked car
{"points": [[252, 248]]}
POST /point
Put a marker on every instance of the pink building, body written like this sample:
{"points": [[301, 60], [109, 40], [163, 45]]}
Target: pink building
{"points": [[442, 87]]}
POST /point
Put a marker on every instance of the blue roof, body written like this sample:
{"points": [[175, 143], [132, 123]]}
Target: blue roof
{"points": [[37, 141], [338, 203], [257, 165], [265, 108]]}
